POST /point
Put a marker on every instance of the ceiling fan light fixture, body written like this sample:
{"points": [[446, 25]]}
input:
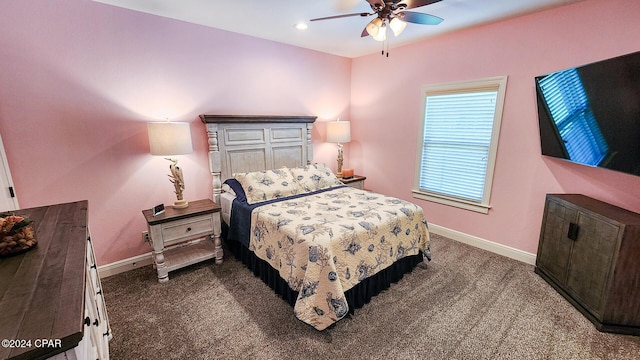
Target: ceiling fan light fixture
{"points": [[397, 26], [382, 33], [377, 28], [373, 27]]}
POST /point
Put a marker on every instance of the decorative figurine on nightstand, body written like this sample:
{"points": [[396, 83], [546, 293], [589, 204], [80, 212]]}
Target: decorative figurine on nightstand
{"points": [[339, 132], [178, 183], [171, 138]]}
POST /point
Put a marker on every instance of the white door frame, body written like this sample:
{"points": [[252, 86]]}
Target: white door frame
{"points": [[8, 197]]}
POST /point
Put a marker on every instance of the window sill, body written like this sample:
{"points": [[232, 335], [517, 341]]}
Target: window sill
{"points": [[466, 205]]}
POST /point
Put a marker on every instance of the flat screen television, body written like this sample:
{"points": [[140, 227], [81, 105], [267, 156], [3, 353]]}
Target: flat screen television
{"points": [[591, 114]]}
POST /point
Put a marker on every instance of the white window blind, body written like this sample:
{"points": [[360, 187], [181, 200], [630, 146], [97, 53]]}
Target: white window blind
{"points": [[457, 136], [458, 142]]}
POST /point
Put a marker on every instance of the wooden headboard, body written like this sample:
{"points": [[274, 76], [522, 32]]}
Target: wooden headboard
{"points": [[244, 143]]}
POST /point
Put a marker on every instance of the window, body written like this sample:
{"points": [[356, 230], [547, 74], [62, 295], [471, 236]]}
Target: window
{"points": [[458, 142], [569, 108]]}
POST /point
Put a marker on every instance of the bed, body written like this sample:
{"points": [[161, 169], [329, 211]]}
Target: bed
{"points": [[324, 247]]}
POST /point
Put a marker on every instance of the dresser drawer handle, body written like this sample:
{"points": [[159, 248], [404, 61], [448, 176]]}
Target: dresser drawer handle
{"points": [[87, 321], [188, 229]]}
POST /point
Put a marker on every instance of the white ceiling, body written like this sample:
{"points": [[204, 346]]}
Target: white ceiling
{"points": [[275, 19]]}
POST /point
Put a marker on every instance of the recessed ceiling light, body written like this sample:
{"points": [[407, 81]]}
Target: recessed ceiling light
{"points": [[301, 26]]}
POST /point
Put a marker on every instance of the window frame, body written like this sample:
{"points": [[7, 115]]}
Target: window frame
{"points": [[498, 83]]}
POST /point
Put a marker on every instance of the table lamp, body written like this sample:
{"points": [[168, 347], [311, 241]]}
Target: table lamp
{"points": [[339, 132], [170, 139]]}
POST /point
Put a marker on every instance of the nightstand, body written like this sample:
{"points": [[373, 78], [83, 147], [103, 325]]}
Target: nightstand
{"points": [[356, 181], [182, 237]]}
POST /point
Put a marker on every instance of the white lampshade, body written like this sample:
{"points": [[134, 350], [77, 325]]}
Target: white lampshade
{"points": [[169, 138], [397, 26], [382, 33], [377, 28], [339, 131], [374, 26]]}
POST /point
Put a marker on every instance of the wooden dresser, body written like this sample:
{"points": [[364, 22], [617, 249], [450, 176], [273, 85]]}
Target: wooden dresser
{"points": [[590, 252], [51, 299]]}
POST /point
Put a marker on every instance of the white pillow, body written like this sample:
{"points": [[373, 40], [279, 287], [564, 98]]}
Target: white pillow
{"points": [[315, 177], [267, 185]]}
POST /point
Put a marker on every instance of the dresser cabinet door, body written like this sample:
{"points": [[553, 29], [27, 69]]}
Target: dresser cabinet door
{"points": [[99, 330], [591, 260], [555, 245], [92, 323]]}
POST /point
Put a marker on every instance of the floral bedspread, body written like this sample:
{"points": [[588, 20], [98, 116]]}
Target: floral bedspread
{"points": [[324, 244]]}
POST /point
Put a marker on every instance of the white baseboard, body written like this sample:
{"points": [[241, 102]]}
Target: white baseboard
{"points": [[491, 246], [145, 259], [125, 265]]}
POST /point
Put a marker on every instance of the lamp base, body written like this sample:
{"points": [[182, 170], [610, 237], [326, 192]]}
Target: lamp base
{"points": [[180, 204]]}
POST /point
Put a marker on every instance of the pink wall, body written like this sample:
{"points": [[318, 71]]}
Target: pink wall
{"points": [[386, 110], [80, 79]]}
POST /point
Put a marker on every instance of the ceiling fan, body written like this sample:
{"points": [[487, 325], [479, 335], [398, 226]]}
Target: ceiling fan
{"points": [[392, 12]]}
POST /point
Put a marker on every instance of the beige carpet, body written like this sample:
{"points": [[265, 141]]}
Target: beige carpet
{"points": [[468, 304]]}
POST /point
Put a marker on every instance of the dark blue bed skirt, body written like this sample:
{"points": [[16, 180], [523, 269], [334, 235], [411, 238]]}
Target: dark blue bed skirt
{"points": [[357, 296]]}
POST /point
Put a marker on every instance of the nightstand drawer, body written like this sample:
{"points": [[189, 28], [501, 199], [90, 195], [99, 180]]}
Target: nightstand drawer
{"points": [[181, 229]]}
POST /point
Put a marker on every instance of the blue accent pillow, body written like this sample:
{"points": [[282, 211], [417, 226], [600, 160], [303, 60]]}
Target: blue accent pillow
{"points": [[237, 188]]}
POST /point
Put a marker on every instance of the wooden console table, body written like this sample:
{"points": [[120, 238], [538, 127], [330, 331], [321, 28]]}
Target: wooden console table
{"points": [[589, 253], [173, 236]]}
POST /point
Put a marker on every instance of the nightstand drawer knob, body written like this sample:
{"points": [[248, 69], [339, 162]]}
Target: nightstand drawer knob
{"points": [[188, 229]]}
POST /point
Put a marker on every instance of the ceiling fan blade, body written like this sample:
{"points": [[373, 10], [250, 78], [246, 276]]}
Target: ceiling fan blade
{"points": [[417, 3], [364, 32], [341, 16], [419, 18]]}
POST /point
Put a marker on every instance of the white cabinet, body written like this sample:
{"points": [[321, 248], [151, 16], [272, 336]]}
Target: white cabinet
{"points": [[96, 325]]}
